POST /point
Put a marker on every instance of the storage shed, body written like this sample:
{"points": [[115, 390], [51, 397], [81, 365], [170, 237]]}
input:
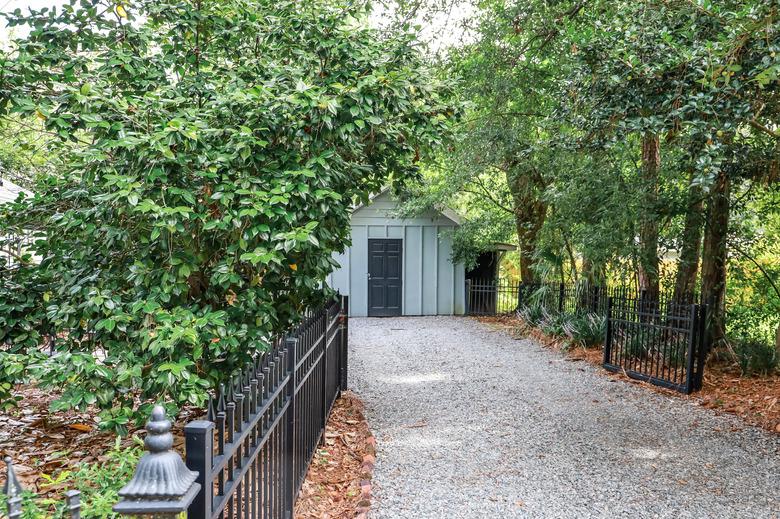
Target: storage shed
{"points": [[400, 266]]}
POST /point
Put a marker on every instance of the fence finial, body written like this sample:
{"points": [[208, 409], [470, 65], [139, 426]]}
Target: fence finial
{"points": [[162, 483], [12, 487]]}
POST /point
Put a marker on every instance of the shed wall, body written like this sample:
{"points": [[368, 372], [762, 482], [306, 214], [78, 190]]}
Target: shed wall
{"points": [[432, 284]]}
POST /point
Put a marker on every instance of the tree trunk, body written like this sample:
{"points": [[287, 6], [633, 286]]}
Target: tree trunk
{"points": [[530, 214], [714, 257], [648, 221], [690, 251]]}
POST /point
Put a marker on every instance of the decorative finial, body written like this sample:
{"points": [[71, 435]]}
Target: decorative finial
{"points": [[12, 487], [161, 479]]}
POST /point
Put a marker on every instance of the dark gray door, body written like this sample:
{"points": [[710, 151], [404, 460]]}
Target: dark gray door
{"points": [[384, 277]]}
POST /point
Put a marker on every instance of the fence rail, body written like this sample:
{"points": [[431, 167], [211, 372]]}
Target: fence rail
{"points": [[249, 458]]}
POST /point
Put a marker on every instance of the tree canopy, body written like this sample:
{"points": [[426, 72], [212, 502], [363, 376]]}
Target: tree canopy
{"points": [[209, 154], [621, 142]]}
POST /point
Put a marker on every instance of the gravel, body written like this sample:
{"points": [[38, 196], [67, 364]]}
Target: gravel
{"points": [[472, 423]]}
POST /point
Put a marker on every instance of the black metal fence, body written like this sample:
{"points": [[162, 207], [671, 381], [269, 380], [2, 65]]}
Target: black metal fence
{"points": [[497, 297], [661, 342], [253, 455], [661, 339], [249, 458]]}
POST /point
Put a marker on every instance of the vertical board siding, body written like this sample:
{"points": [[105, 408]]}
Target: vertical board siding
{"points": [[444, 274], [432, 285], [460, 289], [413, 273], [430, 262], [377, 231], [340, 277], [358, 274]]}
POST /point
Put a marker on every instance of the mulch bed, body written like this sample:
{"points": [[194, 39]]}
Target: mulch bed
{"points": [[338, 484], [42, 442], [45, 443], [756, 400]]}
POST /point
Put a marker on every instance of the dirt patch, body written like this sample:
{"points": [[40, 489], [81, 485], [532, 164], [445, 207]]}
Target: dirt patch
{"points": [[338, 482], [756, 400]]}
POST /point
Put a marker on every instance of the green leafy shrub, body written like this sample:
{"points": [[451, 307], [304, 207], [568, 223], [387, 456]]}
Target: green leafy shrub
{"points": [[211, 153], [586, 329], [554, 323], [532, 315], [756, 357]]}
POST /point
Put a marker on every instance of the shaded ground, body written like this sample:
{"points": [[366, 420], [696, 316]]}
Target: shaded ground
{"points": [[333, 484], [472, 423]]}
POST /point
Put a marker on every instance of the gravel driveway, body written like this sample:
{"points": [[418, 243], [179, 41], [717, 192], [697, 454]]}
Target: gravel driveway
{"points": [[471, 423]]}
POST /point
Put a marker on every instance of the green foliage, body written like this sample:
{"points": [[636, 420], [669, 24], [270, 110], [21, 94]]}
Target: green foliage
{"points": [[586, 329], [210, 156], [554, 323], [98, 482], [532, 314], [756, 357]]}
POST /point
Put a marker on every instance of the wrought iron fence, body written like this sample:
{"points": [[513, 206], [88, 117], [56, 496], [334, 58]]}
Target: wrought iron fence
{"points": [[249, 458], [662, 342], [497, 297], [661, 339]]}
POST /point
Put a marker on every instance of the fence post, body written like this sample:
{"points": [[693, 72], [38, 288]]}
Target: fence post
{"points": [[690, 360], [324, 385], [608, 338], [344, 355], [73, 503], [703, 345], [199, 449], [291, 345], [561, 290], [12, 490]]}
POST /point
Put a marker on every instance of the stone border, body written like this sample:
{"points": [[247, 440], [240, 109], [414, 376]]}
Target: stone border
{"points": [[366, 474]]}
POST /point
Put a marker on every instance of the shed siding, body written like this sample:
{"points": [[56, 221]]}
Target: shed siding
{"points": [[432, 285]]}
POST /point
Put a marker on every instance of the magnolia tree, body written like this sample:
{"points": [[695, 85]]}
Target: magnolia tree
{"points": [[210, 153]]}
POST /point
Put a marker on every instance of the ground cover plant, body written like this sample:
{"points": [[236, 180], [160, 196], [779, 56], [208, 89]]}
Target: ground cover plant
{"points": [[208, 157]]}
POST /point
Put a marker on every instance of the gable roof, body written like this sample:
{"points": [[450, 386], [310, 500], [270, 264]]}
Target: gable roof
{"points": [[446, 211]]}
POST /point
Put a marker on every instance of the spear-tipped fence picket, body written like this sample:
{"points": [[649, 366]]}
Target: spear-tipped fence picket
{"points": [[250, 456]]}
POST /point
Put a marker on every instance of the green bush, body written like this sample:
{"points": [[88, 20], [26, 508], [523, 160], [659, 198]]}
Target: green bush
{"points": [[532, 315], [586, 329], [210, 154], [554, 323], [756, 357]]}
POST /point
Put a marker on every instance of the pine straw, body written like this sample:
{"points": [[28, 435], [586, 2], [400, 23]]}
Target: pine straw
{"points": [[756, 400], [333, 484], [45, 443]]}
